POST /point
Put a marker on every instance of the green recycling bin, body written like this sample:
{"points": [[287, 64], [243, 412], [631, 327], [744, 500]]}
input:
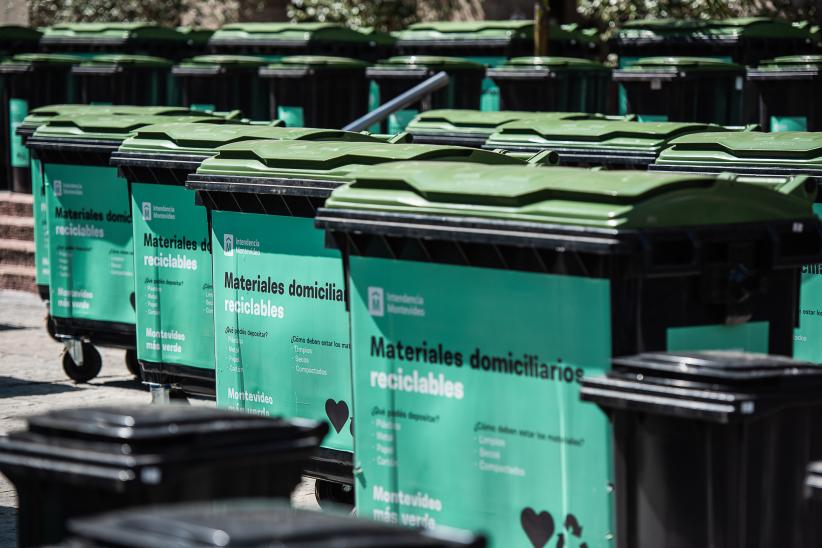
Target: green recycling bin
{"points": [[276, 40], [606, 143], [16, 39], [316, 91], [280, 318], [784, 87], [399, 74], [120, 79], [745, 41], [464, 127], [197, 38], [223, 82], [27, 81], [480, 297], [91, 254], [174, 298], [33, 173], [136, 38], [684, 89], [763, 156], [565, 84]]}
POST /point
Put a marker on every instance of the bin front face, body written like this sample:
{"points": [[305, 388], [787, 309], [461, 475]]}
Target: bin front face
{"points": [[466, 340], [124, 80], [280, 319], [683, 89], [784, 85], [616, 144], [399, 74], [317, 91], [223, 82], [551, 84]]}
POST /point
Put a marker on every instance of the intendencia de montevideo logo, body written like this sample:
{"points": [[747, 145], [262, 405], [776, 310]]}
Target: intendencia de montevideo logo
{"points": [[228, 245], [146, 211], [376, 301]]}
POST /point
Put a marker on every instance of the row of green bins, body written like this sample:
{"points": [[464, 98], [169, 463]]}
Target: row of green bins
{"points": [[745, 41], [762, 156], [91, 253], [133, 38], [552, 84], [684, 89], [280, 314], [172, 245], [787, 88], [481, 296], [276, 40], [398, 74], [32, 172], [472, 128], [613, 144], [123, 79], [223, 82], [316, 91]]}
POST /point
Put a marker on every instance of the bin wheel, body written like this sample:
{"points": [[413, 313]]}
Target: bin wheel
{"points": [[133, 365], [178, 396], [50, 328], [92, 363], [339, 494]]}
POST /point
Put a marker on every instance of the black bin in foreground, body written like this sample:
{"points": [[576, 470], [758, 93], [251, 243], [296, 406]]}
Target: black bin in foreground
{"points": [[253, 524], [813, 504], [82, 462], [710, 448]]}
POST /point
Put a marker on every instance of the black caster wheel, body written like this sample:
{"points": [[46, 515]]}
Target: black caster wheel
{"points": [[92, 363], [133, 365], [175, 395], [50, 328], [338, 494]]}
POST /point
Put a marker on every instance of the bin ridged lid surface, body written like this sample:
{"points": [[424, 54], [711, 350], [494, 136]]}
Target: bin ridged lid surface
{"points": [[570, 196], [466, 31], [32, 59], [682, 64], [792, 149], [706, 30], [121, 59], [239, 61], [110, 126], [187, 138], [329, 160], [433, 62], [553, 63], [258, 524], [549, 133], [318, 62], [286, 34], [41, 115], [477, 121], [110, 33]]}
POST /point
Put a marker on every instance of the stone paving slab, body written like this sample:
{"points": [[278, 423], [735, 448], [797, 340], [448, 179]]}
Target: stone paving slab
{"points": [[32, 382]]}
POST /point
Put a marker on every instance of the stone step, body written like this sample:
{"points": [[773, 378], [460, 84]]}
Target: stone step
{"points": [[16, 228], [17, 252], [16, 204], [17, 277]]}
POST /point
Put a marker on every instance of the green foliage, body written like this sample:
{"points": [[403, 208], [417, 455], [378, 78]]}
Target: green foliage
{"points": [[381, 15]]}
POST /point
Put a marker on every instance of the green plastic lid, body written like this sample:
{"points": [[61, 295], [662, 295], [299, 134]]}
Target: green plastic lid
{"points": [[679, 64], [119, 59], [743, 150], [110, 33], [241, 61], [318, 62], [41, 115], [286, 34], [10, 34], [565, 196], [329, 160], [196, 35], [28, 59], [108, 127], [434, 62], [745, 27], [554, 63], [466, 31], [791, 62], [195, 139], [600, 135], [476, 121]]}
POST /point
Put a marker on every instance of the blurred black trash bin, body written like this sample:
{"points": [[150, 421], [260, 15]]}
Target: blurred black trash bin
{"points": [[788, 89], [710, 448], [121, 79], [81, 462], [254, 524]]}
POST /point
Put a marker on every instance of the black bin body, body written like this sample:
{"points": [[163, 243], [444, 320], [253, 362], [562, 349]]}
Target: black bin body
{"points": [[124, 80], [83, 462], [813, 504], [788, 89], [316, 91], [29, 81], [710, 448], [254, 524]]}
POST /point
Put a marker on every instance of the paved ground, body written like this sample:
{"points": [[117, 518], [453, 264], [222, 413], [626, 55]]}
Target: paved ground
{"points": [[32, 381]]}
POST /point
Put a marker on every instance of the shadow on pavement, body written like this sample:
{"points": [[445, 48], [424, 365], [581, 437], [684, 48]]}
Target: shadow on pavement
{"points": [[132, 384], [13, 386], [9, 327]]}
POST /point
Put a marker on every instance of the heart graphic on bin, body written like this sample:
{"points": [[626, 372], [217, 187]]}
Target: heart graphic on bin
{"points": [[538, 527], [337, 412]]}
